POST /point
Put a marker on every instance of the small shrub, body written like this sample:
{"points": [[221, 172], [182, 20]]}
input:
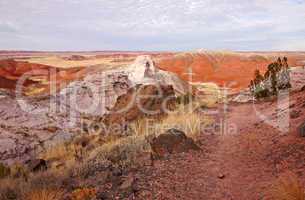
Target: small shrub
{"points": [[18, 171], [89, 168], [4, 171], [65, 151], [48, 179], [39, 186], [59, 151], [261, 92], [272, 74]]}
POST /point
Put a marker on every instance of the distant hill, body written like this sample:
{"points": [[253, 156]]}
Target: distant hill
{"points": [[233, 69]]}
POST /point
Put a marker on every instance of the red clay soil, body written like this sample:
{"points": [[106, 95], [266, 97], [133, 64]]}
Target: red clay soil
{"points": [[11, 71], [236, 166], [231, 69]]}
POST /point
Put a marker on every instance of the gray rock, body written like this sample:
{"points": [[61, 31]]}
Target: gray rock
{"points": [[172, 141]]}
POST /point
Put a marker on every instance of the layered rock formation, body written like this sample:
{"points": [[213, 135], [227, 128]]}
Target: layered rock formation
{"points": [[30, 124], [98, 92], [230, 69]]}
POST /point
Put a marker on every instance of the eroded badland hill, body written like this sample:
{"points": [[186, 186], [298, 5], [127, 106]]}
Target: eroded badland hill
{"points": [[140, 125]]}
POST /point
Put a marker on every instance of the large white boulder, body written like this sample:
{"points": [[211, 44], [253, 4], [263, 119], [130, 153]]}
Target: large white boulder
{"points": [[100, 90], [144, 71]]}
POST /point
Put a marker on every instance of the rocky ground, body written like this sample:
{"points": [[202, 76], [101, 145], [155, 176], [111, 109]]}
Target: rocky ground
{"points": [[241, 166], [244, 163]]}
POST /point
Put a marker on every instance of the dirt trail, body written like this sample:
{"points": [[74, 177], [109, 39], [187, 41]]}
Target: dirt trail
{"points": [[239, 166]]}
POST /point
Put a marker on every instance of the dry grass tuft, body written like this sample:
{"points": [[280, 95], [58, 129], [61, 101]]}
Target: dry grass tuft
{"points": [[4, 171], [45, 194], [64, 150], [43, 185], [123, 151], [18, 171], [287, 187], [141, 127], [183, 118], [83, 194], [75, 150], [118, 149]]}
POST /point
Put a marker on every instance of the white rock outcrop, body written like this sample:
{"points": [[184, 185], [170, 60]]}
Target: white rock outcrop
{"points": [[100, 90], [144, 71]]}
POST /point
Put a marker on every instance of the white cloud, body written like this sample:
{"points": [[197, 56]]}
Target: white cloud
{"points": [[169, 24], [8, 27]]}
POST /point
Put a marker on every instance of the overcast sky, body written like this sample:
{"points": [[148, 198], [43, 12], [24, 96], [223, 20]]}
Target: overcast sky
{"points": [[152, 24]]}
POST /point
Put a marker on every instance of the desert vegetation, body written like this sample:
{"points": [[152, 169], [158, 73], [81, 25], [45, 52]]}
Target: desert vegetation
{"points": [[275, 78]]}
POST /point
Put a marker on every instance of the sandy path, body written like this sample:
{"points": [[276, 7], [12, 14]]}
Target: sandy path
{"points": [[249, 160]]}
